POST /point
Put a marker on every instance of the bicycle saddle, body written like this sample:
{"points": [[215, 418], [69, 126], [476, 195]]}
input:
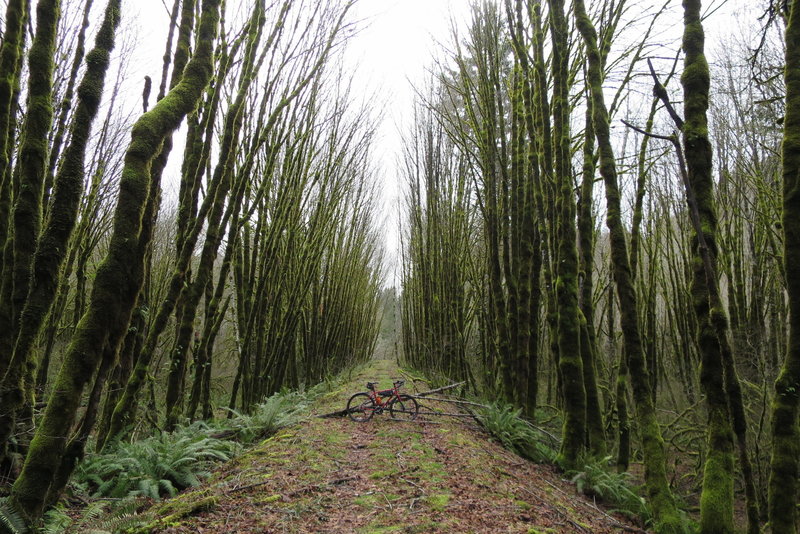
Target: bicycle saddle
{"points": [[371, 385]]}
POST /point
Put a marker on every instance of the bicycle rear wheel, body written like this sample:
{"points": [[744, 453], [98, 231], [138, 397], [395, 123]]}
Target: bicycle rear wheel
{"points": [[404, 408], [360, 407]]}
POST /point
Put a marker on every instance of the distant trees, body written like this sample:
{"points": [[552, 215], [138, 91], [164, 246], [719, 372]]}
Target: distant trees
{"points": [[267, 275], [501, 170]]}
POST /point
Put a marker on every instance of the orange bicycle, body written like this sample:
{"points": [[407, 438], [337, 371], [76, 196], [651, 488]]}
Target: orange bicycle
{"points": [[362, 406]]}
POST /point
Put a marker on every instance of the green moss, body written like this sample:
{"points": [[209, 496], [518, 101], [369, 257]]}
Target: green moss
{"points": [[716, 500], [379, 529], [336, 438], [431, 471], [367, 501], [388, 473], [119, 276], [438, 502], [175, 510], [783, 478]]}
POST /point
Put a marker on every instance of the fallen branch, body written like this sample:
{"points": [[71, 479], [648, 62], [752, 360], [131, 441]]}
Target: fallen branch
{"points": [[456, 401], [437, 390], [337, 413], [446, 414]]}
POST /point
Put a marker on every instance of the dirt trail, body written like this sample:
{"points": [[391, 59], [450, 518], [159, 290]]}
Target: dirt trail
{"points": [[334, 475]]}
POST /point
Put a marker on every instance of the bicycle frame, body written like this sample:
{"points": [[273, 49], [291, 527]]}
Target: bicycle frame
{"points": [[380, 404]]}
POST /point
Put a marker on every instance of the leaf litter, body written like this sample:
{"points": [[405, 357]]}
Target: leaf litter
{"points": [[334, 475]]}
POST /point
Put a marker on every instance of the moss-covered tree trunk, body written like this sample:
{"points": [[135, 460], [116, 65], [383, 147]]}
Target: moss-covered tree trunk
{"points": [[569, 327], [65, 107], [664, 509], [27, 210], [196, 158], [10, 63], [529, 240], [216, 223], [785, 463], [118, 278], [716, 500], [53, 243], [595, 431]]}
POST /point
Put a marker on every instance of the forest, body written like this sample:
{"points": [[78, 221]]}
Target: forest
{"points": [[599, 234]]}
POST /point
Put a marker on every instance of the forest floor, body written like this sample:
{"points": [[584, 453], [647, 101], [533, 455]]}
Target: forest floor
{"points": [[335, 475]]}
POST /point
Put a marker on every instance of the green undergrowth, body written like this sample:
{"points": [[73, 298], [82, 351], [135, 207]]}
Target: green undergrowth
{"points": [[518, 435], [596, 479], [10, 520], [119, 481]]}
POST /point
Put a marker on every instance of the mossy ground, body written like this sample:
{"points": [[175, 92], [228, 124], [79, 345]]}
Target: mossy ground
{"points": [[334, 475]]}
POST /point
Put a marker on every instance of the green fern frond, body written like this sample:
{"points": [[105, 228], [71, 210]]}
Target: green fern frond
{"points": [[515, 433], [612, 488], [11, 520]]}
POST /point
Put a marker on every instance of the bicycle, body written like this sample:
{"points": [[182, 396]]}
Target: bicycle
{"points": [[362, 406]]}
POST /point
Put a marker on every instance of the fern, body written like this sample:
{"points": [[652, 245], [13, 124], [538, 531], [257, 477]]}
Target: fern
{"points": [[612, 488], [11, 521], [104, 517], [515, 433], [155, 467], [55, 520], [279, 410]]}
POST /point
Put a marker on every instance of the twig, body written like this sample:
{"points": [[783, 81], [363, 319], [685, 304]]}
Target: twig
{"points": [[415, 485], [338, 413], [661, 92], [437, 390], [648, 134], [454, 401], [446, 414]]}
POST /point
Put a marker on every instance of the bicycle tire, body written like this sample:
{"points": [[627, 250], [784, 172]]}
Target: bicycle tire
{"points": [[404, 408], [360, 407]]}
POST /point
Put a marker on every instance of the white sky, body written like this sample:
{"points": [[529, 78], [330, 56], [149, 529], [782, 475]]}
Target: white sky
{"points": [[393, 53]]}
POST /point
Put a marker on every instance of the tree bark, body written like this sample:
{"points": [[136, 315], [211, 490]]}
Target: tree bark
{"points": [[664, 509], [570, 363], [118, 278], [785, 462]]}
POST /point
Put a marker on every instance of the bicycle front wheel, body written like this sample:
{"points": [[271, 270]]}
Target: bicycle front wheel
{"points": [[404, 408], [360, 407]]}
